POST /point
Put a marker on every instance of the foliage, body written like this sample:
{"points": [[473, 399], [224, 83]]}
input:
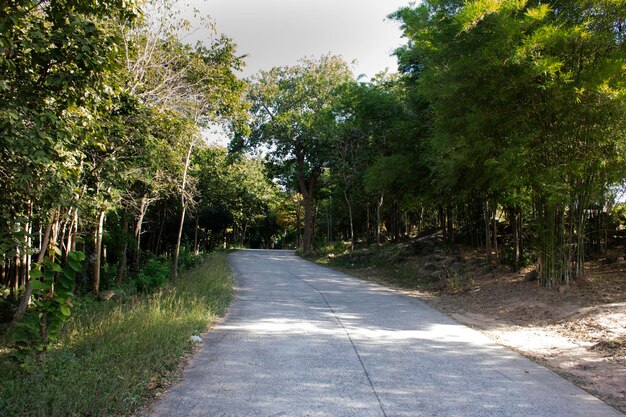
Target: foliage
{"points": [[527, 103], [187, 259], [117, 353], [153, 274], [291, 116], [52, 298]]}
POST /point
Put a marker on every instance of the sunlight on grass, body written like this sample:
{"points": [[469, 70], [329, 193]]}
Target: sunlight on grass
{"points": [[114, 354]]}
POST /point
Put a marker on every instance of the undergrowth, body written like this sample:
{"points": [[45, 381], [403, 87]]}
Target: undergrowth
{"points": [[112, 355], [387, 265]]}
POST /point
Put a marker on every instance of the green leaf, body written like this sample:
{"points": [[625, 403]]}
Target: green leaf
{"points": [[37, 285], [65, 310], [74, 264], [76, 255]]}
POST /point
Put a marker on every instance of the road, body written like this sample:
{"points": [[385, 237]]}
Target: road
{"points": [[304, 340]]}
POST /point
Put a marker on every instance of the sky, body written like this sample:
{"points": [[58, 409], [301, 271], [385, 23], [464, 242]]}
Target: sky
{"points": [[279, 32]]}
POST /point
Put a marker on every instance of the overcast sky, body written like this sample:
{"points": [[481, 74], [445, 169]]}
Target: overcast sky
{"points": [[279, 32]]}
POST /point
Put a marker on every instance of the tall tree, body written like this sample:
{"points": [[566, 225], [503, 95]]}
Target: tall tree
{"points": [[291, 117], [527, 101]]}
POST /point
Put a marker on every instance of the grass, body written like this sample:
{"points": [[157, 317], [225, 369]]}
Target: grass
{"points": [[114, 356], [393, 264], [387, 265]]}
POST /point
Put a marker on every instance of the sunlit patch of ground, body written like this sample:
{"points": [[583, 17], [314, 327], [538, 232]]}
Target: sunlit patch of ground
{"points": [[578, 331]]}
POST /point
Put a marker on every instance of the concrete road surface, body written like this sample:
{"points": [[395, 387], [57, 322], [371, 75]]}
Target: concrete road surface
{"points": [[303, 340]]}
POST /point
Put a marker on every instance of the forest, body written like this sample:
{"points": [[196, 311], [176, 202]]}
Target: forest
{"points": [[504, 129]]}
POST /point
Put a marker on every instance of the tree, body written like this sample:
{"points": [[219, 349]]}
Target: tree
{"points": [[54, 61], [527, 104], [195, 83], [291, 117]]}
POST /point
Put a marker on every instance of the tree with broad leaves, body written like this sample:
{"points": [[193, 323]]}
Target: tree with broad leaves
{"points": [[291, 117]]}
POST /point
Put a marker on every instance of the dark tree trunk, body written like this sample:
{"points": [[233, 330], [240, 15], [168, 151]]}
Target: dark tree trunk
{"points": [[449, 224], [195, 236], [494, 221], [516, 227], [368, 231], [345, 194], [177, 246], [378, 219], [487, 224], [183, 203], [121, 268], [307, 187], [298, 220], [308, 224]]}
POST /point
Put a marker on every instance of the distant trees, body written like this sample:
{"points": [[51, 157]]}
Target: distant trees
{"points": [[291, 117], [505, 130]]}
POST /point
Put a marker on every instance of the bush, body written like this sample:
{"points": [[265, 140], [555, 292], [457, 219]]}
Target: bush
{"points": [[187, 259], [153, 274], [8, 306]]}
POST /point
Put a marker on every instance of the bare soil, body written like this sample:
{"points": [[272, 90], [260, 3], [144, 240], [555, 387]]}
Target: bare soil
{"points": [[578, 331]]}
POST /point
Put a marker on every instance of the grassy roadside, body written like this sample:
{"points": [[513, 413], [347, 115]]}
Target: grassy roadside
{"points": [[387, 265], [115, 354]]}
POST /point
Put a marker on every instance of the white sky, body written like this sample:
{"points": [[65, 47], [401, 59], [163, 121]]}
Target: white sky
{"points": [[279, 32]]}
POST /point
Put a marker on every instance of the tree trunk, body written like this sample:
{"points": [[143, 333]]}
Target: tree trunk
{"points": [[330, 220], [514, 229], [97, 253], [195, 236], [345, 195], [494, 221], [143, 208], [70, 230], [487, 224], [378, 222], [368, 231], [517, 245], [298, 242], [121, 268], [15, 282], [72, 246], [449, 224], [177, 247], [183, 203], [307, 187], [243, 234], [28, 229], [308, 224], [306, 190], [43, 248]]}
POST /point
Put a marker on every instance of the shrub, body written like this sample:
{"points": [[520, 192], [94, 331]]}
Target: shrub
{"points": [[153, 274], [187, 259]]}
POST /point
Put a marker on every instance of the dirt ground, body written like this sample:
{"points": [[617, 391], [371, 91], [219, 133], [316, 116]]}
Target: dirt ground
{"points": [[577, 331]]}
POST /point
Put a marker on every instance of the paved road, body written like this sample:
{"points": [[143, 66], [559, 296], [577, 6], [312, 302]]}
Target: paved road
{"points": [[303, 340]]}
